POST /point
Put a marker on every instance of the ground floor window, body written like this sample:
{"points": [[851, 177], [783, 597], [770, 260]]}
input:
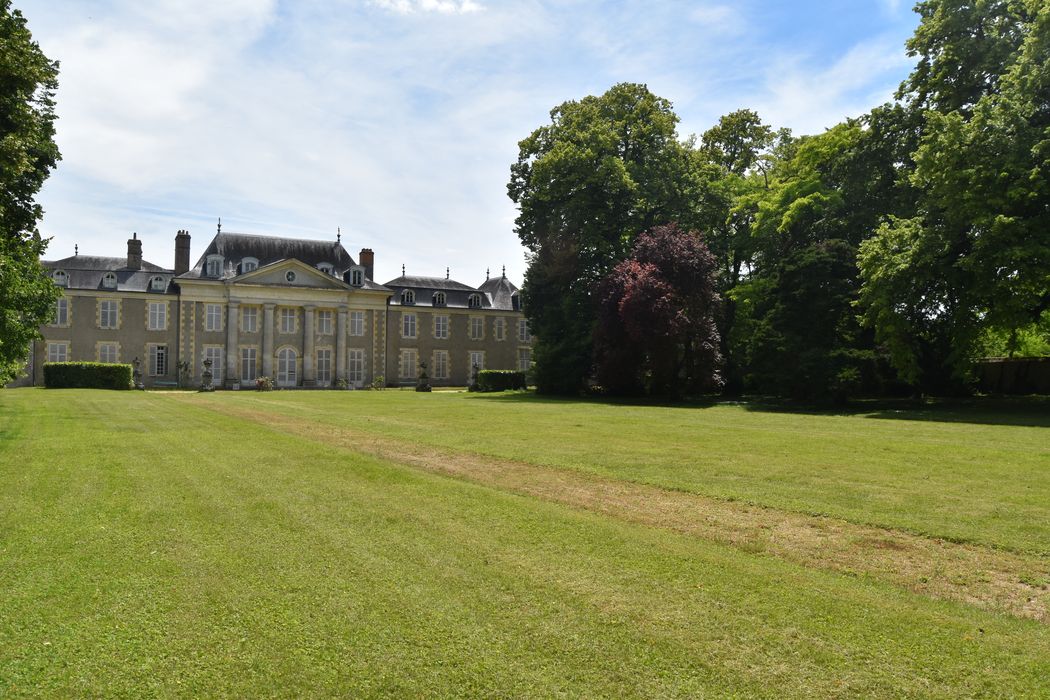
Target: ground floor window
{"points": [[524, 359], [158, 360], [441, 364], [408, 363], [58, 352], [249, 364], [286, 369], [477, 359], [324, 366], [356, 370], [108, 352], [214, 353]]}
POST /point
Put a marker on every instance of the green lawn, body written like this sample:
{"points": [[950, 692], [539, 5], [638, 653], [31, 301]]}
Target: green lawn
{"points": [[152, 545]]}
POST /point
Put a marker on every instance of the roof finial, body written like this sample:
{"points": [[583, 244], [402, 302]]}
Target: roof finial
{"points": [[402, 269], [76, 250], [486, 274], [446, 273], [218, 228], [504, 272], [338, 235]]}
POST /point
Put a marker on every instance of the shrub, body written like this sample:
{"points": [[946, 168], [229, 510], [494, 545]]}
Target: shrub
{"points": [[264, 384], [87, 375], [500, 380]]}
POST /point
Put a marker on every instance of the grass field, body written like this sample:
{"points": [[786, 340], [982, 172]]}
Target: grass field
{"points": [[391, 543]]}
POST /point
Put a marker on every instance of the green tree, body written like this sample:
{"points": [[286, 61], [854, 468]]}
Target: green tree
{"points": [[974, 259], [27, 155], [605, 169]]}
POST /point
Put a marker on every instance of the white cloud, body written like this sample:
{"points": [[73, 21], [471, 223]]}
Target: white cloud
{"points": [[445, 7], [722, 18]]}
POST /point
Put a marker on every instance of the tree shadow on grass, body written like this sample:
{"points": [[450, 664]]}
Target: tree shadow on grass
{"points": [[1023, 411]]}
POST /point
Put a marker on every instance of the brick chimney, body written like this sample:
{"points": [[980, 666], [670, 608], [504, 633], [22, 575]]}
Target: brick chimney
{"points": [[134, 252], [368, 261], [182, 252]]}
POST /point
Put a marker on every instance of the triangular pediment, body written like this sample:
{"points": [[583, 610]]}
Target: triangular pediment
{"points": [[290, 273]]}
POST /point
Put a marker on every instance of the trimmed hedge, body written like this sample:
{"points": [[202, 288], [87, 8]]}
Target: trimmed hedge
{"points": [[500, 380], [87, 375]]}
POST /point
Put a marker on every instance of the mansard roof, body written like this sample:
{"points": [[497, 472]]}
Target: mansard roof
{"points": [[235, 247], [501, 291], [495, 293], [87, 271]]}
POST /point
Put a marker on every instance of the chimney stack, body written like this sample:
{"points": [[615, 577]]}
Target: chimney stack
{"points": [[134, 252], [368, 261], [182, 252]]}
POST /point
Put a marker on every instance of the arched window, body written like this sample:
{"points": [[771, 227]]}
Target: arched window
{"points": [[214, 266], [109, 280], [355, 277], [286, 373], [326, 268], [474, 301], [439, 298], [157, 284], [408, 297], [61, 278], [249, 264]]}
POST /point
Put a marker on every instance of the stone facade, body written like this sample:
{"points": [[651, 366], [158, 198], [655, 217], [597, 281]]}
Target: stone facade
{"points": [[303, 313]]}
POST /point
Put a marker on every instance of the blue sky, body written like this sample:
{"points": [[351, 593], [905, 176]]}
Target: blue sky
{"points": [[397, 121]]}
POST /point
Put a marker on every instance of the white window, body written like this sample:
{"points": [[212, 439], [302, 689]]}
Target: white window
{"points": [[249, 319], [109, 280], [324, 322], [249, 364], [61, 312], [439, 298], [108, 352], [357, 323], [356, 371], [441, 364], [60, 277], [324, 366], [287, 320], [286, 370], [158, 284], [158, 316], [108, 313], [474, 301], [357, 277], [408, 297], [212, 317], [216, 355], [499, 329], [214, 266], [408, 364], [158, 360], [441, 327], [524, 335], [326, 268], [408, 325], [524, 359], [249, 264], [477, 328], [58, 352], [477, 359]]}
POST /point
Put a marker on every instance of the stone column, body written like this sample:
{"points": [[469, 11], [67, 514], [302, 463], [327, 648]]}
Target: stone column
{"points": [[309, 376], [267, 344], [340, 345], [230, 380]]}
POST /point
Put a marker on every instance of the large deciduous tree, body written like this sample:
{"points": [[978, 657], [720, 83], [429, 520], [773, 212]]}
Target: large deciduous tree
{"points": [[657, 328], [27, 155], [605, 169]]}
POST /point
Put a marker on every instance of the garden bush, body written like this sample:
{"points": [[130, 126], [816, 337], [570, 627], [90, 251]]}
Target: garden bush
{"points": [[500, 380], [87, 375]]}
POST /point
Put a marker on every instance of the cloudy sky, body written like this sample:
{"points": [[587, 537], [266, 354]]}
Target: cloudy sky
{"points": [[396, 121]]}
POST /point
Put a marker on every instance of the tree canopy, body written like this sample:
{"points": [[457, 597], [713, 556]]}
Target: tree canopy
{"points": [[28, 153]]}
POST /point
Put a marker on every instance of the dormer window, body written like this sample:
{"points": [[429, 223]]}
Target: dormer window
{"points": [[515, 302], [61, 278], [109, 280], [214, 266], [439, 298], [474, 301], [157, 284], [326, 268], [249, 264], [357, 276], [408, 297]]}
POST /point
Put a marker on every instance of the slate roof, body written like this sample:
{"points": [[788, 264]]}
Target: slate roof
{"points": [[235, 247], [86, 271], [495, 293], [501, 291]]}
